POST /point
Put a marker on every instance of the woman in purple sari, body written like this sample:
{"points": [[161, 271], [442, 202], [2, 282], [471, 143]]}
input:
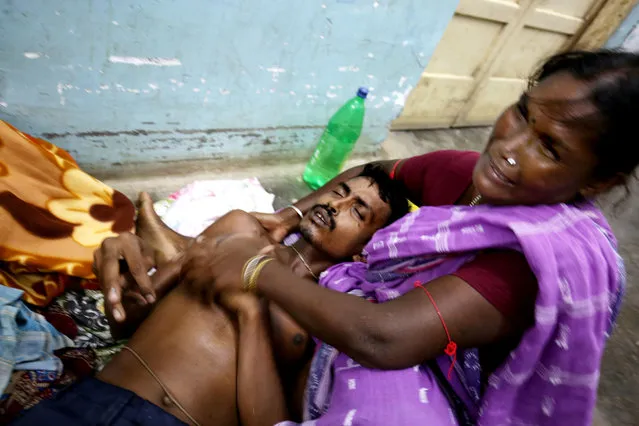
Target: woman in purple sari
{"points": [[493, 301]]}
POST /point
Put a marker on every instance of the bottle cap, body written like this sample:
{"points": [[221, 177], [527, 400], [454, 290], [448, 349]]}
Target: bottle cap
{"points": [[362, 92]]}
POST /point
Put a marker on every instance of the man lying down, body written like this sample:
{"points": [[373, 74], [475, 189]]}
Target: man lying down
{"points": [[181, 364]]}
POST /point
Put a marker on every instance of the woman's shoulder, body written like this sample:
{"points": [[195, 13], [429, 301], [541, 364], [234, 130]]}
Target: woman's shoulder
{"points": [[437, 163], [438, 177], [443, 158]]}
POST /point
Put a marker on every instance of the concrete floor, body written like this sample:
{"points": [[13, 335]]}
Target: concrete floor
{"points": [[619, 387]]}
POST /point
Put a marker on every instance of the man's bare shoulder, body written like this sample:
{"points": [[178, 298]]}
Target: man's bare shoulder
{"points": [[237, 222]]}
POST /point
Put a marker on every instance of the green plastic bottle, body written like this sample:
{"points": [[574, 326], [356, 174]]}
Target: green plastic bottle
{"points": [[337, 142]]}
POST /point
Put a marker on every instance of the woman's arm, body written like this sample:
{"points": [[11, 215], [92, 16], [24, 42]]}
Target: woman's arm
{"points": [[397, 334], [393, 335], [260, 394]]}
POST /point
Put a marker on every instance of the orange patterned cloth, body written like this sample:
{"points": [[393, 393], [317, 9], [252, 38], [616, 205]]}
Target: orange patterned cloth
{"points": [[52, 217]]}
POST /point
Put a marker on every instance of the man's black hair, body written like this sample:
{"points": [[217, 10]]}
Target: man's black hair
{"points": [[391, 191]]}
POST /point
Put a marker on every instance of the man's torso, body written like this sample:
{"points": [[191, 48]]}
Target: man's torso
{"points": [[192, 348]]}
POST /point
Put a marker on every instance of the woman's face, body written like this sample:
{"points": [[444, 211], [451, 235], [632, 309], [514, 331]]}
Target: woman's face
{"points": [[533, 157]]}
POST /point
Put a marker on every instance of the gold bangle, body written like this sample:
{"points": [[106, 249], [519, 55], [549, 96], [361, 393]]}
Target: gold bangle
{"points": [[252, 284], [249, 268]]}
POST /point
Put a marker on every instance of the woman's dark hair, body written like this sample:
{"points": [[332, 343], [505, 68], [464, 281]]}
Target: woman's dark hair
{"points": [[391, 191], [614, 79]]}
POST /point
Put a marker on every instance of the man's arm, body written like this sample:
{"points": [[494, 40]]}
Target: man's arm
{"points": [[393, 335], [260, 394]]}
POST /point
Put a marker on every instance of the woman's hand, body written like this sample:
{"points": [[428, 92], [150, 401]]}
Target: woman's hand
{"points": [[214, 265], [122, 264], [279, 224]]}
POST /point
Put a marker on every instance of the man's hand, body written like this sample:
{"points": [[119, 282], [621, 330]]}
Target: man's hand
{"points": [[122, 264], [280, 224], [214, 265]]}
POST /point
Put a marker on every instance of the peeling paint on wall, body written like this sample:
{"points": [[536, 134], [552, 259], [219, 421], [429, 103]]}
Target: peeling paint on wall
{"points": [[138, 62], [351, 68]]}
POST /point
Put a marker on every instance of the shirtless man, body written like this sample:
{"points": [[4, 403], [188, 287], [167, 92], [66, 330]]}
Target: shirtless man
{"points": [[181, 363]]}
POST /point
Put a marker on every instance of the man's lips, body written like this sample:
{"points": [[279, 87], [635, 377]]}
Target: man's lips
{"points": [[321, 217]]}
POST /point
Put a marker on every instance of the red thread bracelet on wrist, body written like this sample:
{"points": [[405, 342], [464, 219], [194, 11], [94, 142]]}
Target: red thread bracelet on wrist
{"points": [[451, 347]]}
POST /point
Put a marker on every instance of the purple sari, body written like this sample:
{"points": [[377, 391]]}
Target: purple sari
{"points": [[550, 378]]}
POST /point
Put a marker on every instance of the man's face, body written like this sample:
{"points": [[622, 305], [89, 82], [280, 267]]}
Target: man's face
{"points": [[344, 220]]}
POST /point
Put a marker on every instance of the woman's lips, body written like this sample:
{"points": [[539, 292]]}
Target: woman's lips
{"points": [[498, 175]]}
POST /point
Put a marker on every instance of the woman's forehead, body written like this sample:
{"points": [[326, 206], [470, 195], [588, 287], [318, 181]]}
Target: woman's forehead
{"points": [[561, 87], [561, 108], [565, 101]]}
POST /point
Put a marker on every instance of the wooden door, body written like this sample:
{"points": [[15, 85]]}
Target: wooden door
{"points": [[489, 49]]}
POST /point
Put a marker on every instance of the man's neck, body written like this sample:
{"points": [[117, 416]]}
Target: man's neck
{"points": [[302, 256]]}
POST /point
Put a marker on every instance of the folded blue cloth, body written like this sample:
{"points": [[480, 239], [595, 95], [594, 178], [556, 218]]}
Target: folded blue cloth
{"points": [[27, 340]]}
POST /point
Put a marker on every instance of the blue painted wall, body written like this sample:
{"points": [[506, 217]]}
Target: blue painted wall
{"points": [[627, 35], [132, 81], [624, 31]]}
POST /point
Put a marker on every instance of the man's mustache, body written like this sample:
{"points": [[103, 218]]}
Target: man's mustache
{"points": [[329, 214]]}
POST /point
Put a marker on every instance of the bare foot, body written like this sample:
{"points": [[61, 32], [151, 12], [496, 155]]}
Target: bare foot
{"points": [[149, 226]]}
